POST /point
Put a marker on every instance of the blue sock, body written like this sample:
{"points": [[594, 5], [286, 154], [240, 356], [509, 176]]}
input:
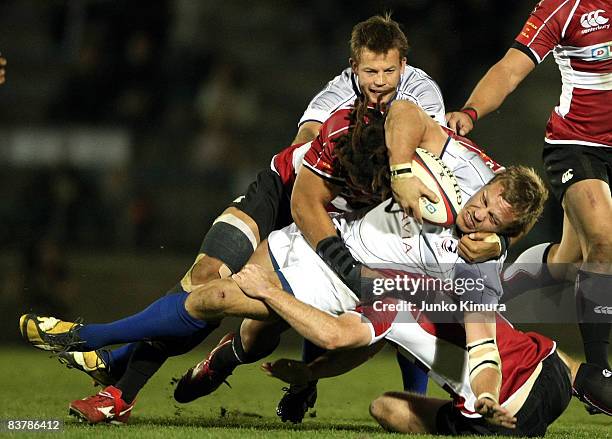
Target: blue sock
{"points": [[166, 317], [415, 380]]}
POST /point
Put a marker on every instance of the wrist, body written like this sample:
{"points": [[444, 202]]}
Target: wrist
{"points": [[400, 170], [488, 395], [471, 112]]}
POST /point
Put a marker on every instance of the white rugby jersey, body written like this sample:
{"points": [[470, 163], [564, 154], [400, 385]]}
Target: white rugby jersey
{"points": [[386, 235], [579, 34], [379, 237], [415, 85]]}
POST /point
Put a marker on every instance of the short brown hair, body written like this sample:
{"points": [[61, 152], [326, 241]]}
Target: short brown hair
{"points": [[378, 34], [526, 193]]}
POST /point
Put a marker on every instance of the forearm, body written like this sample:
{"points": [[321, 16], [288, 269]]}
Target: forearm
{"points": [[334, 363], [404, 131], [484, 359], [313, 221], [311, 323], [501, 80], [307, 132]]}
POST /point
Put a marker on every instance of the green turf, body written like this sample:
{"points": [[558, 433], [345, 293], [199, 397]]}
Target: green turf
{"points": [[36, 386]]}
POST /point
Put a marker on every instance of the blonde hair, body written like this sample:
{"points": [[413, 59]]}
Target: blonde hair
{"points": [[525, 191]]}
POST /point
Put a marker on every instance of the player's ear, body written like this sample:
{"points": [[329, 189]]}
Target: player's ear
{"points": [[354, 64], [403, 64]]}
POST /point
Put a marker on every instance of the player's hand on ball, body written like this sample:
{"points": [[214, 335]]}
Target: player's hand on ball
{"points": [[459, 122], [495, 414], [408, 191], [289, 371], [255, 281], [479, 247]]}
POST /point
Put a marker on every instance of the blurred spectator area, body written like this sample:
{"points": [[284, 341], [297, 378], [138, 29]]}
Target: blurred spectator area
{"points": [[127, 126]]}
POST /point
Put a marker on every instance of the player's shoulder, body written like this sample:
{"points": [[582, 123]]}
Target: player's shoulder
{"points": [[552, 9], [336, 123]]}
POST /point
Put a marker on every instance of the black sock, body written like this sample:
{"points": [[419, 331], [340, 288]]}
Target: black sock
{"points": [[233, 354], [595, 337], [594, 309], [147, 358], [145, 361]]}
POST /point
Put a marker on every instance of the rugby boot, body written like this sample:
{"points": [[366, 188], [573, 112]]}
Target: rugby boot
{"points": [[296, 402], [201, 379], [49, 333], [92, 363], [106, 406]]}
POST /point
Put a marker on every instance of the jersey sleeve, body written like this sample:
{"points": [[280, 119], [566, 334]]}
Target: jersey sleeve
{"points": [[544, 28], [379, 315], [338, 93], [320, 157], [418, 87]]}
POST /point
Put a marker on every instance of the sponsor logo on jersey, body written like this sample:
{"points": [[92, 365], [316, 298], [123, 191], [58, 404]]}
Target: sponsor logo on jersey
{"points": [[603, 310], [449, 245], [567, 175], [594, 21], [602, 52]]}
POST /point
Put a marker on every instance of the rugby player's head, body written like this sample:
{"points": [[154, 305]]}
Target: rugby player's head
{"points": [[509, 204], [378, 56], [362, 153]]}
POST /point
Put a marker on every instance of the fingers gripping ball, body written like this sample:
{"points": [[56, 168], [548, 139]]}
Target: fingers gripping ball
{"points": [[434, 174]]}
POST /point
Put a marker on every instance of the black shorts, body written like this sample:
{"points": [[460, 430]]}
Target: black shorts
{"points": [[569, 164], [267, 201], [549, 397]]}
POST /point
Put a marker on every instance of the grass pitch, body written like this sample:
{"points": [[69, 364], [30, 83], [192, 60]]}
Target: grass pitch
{"points": [[36, 386]]}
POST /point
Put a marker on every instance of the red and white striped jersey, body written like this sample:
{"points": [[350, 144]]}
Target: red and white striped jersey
{"points": [[440, 349], [579, 34]]}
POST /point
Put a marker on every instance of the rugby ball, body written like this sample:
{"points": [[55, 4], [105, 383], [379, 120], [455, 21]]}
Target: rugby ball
{"points": [[432, 171]]}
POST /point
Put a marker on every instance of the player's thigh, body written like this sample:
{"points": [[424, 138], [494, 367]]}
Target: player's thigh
{"points": [[406, 412], [222, 298], [588, 206]]}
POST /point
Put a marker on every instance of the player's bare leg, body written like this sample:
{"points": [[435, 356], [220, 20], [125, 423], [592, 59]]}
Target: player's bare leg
{"points": [[565, 257], [404, 412], [222, 297], [588, 205]]}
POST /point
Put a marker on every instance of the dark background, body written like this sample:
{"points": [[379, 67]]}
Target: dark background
{"points": [[126, 127]]}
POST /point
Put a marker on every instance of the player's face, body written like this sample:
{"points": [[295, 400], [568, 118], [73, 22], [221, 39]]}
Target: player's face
{"points": [[486, 211], [378, 73]]}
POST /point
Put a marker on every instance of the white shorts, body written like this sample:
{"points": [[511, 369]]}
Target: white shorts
{"points": [[307, 275]]}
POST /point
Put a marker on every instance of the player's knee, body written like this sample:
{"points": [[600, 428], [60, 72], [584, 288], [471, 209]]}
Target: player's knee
{"points": [[209, 301], [205, 270]]}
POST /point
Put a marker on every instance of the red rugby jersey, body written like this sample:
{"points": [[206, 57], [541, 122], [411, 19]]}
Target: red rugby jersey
{"points": [[579, 34]]}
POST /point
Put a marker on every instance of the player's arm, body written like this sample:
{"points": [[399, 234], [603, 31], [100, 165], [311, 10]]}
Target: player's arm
{"points": [[485, 367], [324, 330], [406, 128], [330, 364], [307, 132], [492, 90], [311, 194]]}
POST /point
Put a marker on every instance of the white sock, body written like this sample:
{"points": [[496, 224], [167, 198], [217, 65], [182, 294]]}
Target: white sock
{"points": [[528, 272]]}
